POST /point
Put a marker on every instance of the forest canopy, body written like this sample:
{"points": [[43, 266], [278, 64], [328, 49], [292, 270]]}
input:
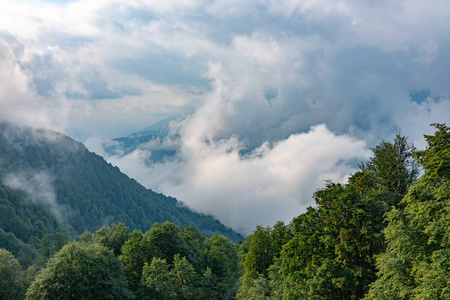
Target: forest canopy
{"points": [[381, 235]]}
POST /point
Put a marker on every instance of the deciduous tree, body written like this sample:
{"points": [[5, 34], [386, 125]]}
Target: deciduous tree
{"points": [[12, 283], [415, 265], [81, 271], [393, 166], [332, 253], [157, 282]]}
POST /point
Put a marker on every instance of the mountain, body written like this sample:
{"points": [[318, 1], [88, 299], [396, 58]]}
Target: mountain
{"points": [[160, 128], [153, 138], [49, 183]]}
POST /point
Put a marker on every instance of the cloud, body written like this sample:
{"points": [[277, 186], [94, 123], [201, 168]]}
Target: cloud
{"points": [[217, 171], [273, 182], [318, 57], [18, 98], [416, 123], [251, 75], [38, 186]]}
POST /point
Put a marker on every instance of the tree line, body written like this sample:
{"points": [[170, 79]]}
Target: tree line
{"points": [[382, 235], [166, 262]]}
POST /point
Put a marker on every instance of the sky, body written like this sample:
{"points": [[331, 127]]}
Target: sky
{"points": [[273, 97]]}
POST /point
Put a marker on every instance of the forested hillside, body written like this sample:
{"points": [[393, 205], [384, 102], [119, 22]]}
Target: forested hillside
{"points": [[382, 235], [49, 180], [24, 224]]}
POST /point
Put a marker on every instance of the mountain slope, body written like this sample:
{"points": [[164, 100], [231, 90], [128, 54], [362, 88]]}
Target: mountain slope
{"points": [[80, 188]]}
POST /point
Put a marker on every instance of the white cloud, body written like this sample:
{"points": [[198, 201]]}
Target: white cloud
{"points": [[273, 182], [257, 75], [212, 175], [19, 101], [314, 55]]}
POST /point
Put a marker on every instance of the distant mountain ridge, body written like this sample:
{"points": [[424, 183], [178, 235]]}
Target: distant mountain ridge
{"points": [[151, 138], [160, 128], [81, 189]]}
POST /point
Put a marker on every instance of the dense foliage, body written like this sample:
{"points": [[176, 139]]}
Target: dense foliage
{"points": [[382, 235], [81, 271], [330, 251], [416, 263], [167, 262], [332, 254], [12, 281], [392, 165], [261, 253], [24, 225]]}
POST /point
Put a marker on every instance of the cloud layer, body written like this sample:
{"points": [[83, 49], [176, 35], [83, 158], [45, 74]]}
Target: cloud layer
{"points": [[279, 95], [273, 182]]}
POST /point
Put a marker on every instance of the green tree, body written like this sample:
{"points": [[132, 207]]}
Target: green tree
{"points": [[257, 260], [416, 263], [196, 242], [260, 289], [393, 166], [12, 283], [167, 241], [135, 253], [52, 243], [276, 280], [223, 261], [164, 241], [113, 237], [265, 283], [280, 235], [332, 253], [208, 286], [81, 271], [157, 281], [183, 276], [270, 287]]}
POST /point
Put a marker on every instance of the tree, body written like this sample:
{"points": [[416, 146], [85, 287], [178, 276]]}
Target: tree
{"points": [[260, 289], [113, 237], [196, 242], [12, 284], [52, 243], [222, 260], [280, 235], [257, 260], [166, 240], [157, 281], [393, 166], [135, 253], [81, 271], [208, 286], [415, 265], [183, 276], [331, 256]]}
